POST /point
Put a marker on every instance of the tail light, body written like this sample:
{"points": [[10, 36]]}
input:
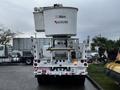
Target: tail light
{"points": [[82, 61], [85, 64], [35, 64], [38, 61], [35, 60], [85, 60]]}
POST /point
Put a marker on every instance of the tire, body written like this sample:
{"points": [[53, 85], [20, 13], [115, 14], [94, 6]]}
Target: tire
{"points": [[28, 61], [40, 80], [82, 81]]}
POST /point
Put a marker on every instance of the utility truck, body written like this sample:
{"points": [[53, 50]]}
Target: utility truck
{"points": [[61, 57]]}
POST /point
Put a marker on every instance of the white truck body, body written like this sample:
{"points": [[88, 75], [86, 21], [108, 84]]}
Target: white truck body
{"points": [[61, 57]]}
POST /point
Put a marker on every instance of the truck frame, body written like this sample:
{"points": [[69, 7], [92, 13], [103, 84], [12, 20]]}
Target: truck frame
{"points": [[58, 60]]}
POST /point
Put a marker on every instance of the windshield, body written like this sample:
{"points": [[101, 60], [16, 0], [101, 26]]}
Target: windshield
{"points": [[27, 54]]}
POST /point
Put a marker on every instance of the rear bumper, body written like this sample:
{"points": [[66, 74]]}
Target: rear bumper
{"points": [[65, 78], [61, 76]]}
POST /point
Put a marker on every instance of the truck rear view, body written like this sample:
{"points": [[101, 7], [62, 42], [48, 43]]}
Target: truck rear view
{"points": [[61, 56]]}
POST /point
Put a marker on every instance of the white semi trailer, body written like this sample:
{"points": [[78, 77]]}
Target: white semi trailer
{"points": [[61, 57]]}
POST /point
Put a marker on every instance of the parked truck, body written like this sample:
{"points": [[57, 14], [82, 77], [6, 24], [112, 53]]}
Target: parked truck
{"points": [[24, 47], [24, 56], [61, 57], [8, 55]]}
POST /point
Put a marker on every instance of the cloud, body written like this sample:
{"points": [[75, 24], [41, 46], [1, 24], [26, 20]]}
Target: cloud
{"points": [[16, 16], [94, 16], [100, 17]]}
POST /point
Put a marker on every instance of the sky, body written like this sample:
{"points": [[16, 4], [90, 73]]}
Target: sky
{"points": [[95, 17]]}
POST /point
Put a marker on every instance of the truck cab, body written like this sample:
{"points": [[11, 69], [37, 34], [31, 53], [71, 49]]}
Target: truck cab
{"points": [[3, 51], [22, 57], [27, 57]]}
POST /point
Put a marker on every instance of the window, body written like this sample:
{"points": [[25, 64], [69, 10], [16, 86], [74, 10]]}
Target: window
{"points": [[27, 53], [1, 47]]}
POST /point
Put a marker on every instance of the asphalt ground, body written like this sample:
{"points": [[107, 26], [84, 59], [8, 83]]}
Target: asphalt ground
{"points": [[21, 77]]}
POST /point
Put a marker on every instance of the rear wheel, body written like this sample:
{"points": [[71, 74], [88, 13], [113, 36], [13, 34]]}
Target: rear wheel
{"points": [[61, 79], [28, 61], [82, 81], [41, 80]]}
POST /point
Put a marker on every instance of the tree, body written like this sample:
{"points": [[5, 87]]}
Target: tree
{"points": [[6, 35], [118, 43], [111, 46], [98, 41]]}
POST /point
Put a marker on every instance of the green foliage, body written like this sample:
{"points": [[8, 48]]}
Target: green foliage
{"points": [[105, 43], [97, 72], [6, 36], [118, 43], [99, 41]]}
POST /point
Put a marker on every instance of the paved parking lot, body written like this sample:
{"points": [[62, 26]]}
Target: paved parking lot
{"points": [[21, 77]]}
